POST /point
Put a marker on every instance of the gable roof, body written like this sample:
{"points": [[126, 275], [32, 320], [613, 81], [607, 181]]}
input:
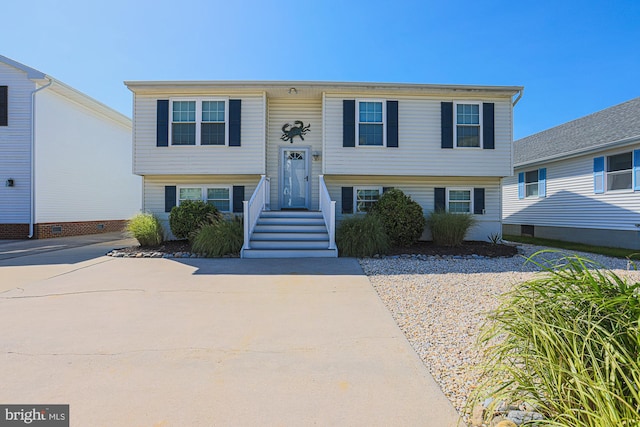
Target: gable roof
{"points": [[610, 127]]}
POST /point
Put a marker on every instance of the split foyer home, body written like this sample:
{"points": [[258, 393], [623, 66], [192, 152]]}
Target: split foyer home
{"points": [[65, 159], [579, 181], [296, 157]]}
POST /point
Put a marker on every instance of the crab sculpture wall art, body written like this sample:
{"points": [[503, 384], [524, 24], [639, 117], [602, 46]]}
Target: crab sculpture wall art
{"points": [[289, 132]]}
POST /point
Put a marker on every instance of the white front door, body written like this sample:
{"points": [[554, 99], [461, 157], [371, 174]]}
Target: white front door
{"points": [[294, 181]]}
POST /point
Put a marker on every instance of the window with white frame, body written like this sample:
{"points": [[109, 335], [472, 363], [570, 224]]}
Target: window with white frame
{"points": [[370, 123], [468, 119], [199, 122], [459, 200], [365, 197], [620, 171], [531, 183], [220, 197]]}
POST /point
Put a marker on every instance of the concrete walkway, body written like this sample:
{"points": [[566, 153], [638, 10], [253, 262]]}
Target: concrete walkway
{"points": [[157, 342]]}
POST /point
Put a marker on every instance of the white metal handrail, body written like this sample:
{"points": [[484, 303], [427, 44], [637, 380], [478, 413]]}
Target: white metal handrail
{"points": [[328, 209], [254, 207]]}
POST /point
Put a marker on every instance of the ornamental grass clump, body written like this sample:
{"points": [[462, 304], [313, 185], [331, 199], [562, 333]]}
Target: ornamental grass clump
{"points": [[362, 236], [568, 344], [218, 239], [449, 229], [146, 229]]}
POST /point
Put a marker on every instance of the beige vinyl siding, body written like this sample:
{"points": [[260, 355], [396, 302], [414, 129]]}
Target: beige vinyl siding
{"points": [[288, 110], [194, 160], [153, 190], [15, 147], [419, 152], [421, 189], [570, 200]]}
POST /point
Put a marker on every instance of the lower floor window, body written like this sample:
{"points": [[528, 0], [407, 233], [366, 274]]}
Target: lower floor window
{"points": [[216, 196], [459, 200], [531, 183], [365, 198]]}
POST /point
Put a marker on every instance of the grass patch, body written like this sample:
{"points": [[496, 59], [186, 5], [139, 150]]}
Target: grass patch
{"points": [[572, 246]]}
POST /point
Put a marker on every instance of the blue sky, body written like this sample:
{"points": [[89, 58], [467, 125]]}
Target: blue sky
{"points": [[572, 57]]}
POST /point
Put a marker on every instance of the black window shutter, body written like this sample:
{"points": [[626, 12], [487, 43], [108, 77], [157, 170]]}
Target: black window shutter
{"points": [[235, 112], [348, 123], [4, 106], [392, 123], [169, 197], [162, 123], [439, 200], [488, 127], [347, 199], [446, 123], [238, 198], [385, 189], [478, 201]]}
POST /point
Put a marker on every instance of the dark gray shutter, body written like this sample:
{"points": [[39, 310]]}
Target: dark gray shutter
{"points": [[488, 127], [392, 124], [439, 199], [169, 197], [162, 123], [348, 123], [4, 106], [238, 198], [347, 200], [446, 123], [385, 189], [235, 112], [478, 201]]}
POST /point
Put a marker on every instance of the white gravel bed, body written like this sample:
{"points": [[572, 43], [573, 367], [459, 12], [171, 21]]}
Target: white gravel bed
{"points": [[440, 305]]}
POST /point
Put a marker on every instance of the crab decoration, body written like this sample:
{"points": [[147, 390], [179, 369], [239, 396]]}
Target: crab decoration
{"points": [[289, 132]]}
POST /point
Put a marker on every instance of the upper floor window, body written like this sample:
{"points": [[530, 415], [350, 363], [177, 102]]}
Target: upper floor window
{"points": [[365, 197], [198, 122], [4, 105], [619, 171], [468, 125], [370, 126], [459, 200]]}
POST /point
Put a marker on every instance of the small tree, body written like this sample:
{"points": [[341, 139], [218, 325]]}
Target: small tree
{"points": [[190, 216], [401, 217]]}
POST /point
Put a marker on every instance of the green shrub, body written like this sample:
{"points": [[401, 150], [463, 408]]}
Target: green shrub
{"points": [[220, 238], [361, 236], [146, 229], [449, 229], [568, 343], [190, 216], [401, 216]]}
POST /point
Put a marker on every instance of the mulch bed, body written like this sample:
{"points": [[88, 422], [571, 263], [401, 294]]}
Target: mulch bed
{"points": [[484, 249]]}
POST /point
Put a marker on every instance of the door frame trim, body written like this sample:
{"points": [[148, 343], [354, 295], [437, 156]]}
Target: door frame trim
{"points": [[307, 198]]}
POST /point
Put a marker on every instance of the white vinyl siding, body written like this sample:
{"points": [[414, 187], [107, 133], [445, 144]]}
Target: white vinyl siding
{"points": [[207, 159], [419, 139], [421, 189], [570, 200], [15, 146], [287, 110]]}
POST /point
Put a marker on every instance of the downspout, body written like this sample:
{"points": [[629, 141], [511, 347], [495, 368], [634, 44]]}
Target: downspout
{"points": [[520, 93], [33, 156]]}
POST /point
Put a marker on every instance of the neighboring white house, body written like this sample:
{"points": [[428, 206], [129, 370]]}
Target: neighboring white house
{"points": [[65, 159], [273, 150], [579, 181]]}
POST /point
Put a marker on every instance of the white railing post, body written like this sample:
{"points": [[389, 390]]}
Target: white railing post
{"points": [[332, 227], [253, 208], [328, 209], [245, 211]]}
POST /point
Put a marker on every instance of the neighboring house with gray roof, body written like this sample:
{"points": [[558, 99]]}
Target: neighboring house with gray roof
{"points": [[579, 181]]}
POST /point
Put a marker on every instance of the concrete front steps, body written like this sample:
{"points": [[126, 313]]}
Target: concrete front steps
{"points": [[290, 234]]}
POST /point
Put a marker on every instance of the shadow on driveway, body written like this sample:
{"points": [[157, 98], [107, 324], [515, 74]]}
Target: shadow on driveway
{"points": [[275, 266]]}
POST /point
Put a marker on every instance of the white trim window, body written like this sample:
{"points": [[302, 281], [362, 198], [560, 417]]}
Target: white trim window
{"points": [[199, 121], [371, 123], [365, 197], [620, 171], [467, 125], [531, 183], [218, 196], [460, 200]]}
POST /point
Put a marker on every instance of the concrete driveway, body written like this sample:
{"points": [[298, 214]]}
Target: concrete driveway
{"points": [[198, 342]]}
